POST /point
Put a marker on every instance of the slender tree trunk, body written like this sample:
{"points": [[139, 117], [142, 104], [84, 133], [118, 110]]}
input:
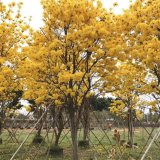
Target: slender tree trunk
{"points": [[130, 127], [57, 139], [60, 125], [1, 123], [40, 123], [74, 128], [39, 129], [85, 133], [86, 123], [57, 124], [0, 126]]}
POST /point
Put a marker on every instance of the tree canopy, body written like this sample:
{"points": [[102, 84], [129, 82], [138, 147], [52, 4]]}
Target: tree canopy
{"points": [[82, 49]]}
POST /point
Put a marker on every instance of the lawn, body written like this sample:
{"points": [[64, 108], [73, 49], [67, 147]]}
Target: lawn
{"points": [[102, 146]]}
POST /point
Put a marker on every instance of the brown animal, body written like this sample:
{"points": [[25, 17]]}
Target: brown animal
{"points": [[116, 136]]}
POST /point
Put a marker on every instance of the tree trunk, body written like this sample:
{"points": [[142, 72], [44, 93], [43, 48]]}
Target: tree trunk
{"points": [[130, 127], [40, 123], [73, 121], [39, 129], [57, 137], [86, 123], [0, 126], [85, 133], [57, 125]]}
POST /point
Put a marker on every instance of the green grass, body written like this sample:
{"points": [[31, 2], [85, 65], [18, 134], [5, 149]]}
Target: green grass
{"points": [[100, 150]]}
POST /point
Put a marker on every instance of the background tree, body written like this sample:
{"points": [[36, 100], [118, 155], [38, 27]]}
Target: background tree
{"points": [[100, 103], [140, 28], [38, 69], [131, 84], [12, 36], [139, 45]]}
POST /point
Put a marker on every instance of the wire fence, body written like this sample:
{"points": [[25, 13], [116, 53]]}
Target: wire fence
{"points": [[19, 138]]}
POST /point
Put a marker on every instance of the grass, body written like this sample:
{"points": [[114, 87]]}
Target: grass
{"points": [[100, 146]]}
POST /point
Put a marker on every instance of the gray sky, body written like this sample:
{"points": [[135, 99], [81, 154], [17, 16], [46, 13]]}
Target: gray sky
{"points": [[34, 9]]}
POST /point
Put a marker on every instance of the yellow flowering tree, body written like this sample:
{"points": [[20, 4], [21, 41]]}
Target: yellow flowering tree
{"points": [[130, 83], [38, 68], [140, 31], [148, 28], [139, 34], [62, 61], [12, 28]]}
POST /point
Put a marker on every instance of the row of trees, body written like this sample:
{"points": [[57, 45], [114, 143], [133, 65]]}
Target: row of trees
{"points": [[82, 49]]}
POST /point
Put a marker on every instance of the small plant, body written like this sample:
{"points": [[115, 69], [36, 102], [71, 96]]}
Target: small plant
{"points": [[55, 151], [83, 143], [38, 139]]}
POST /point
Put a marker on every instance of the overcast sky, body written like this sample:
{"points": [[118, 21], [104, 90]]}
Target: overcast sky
{"points": [[34, 9]]}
